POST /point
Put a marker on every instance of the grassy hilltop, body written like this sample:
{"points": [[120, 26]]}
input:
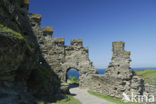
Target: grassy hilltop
{"points": [[148, 75]]}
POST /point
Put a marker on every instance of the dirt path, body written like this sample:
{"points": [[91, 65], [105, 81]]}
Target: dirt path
{"points": [[83, 96]]}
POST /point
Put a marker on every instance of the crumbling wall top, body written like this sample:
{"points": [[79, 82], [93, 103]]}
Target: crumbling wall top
{"points": [[118, 44], [118, 48], [26, 1], [58, 39], [35, 19], [59, 42], [127, 52], [35, 16], [76, 42], [47, 30]]}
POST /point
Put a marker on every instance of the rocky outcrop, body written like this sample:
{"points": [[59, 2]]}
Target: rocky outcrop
{"points": [[23, 79], [118, 77], [14, 52]]}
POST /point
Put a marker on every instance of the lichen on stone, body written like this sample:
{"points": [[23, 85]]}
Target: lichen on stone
{"points": [[121, 42], [127, 52], [26, 1], [16, 34], [58, 39], [76, 40], [48, 29], [34, 15]]}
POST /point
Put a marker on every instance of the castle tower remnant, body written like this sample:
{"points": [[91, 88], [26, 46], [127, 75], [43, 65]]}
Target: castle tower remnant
{"points": [[120, 63], [120, 71], [118, 78], [118, 48]]}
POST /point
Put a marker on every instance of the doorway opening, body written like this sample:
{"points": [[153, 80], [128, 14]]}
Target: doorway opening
{"points": [[72, 77]]}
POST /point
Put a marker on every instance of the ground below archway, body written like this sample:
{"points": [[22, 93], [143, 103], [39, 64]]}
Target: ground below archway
{"points": [[85, 98], [72, 76]]}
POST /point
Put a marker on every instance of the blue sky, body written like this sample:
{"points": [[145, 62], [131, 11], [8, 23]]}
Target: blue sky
{"points": [[99, 22]]}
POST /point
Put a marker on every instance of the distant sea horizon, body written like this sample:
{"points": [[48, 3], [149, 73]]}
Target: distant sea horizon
{"points": [[101, 71], [75, 73]]}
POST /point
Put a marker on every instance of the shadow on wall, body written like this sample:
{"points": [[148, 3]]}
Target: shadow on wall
{"points": [[21, 56]]}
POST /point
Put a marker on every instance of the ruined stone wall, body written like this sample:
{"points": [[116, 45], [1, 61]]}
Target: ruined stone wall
{"points": [[118, 77], [76, 56], [60, 57]]}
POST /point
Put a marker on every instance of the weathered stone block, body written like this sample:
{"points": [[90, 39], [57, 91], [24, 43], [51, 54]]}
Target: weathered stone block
{"points": [[127, 52], [76, 43], [118, 47], [26, 1], [35, 19], [58, 40], [47, 29]]}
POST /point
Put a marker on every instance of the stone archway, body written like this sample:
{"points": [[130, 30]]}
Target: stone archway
{"points": [[76, 56], [61, 57], [66, 69], [72, 72]]}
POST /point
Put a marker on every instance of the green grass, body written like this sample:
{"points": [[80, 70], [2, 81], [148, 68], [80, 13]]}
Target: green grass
{"points": [[69, 100], [74, 80], [6, 29], [111, 99], [17, 35], [148, 75]]}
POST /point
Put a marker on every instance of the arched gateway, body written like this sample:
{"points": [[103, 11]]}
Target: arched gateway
{"points": [[76, 56], [72, 72], [73, 56]]}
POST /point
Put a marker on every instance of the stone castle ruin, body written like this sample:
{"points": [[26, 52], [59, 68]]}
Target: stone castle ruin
{"points": [[118, 78], [60, 57], [24, 57]]}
